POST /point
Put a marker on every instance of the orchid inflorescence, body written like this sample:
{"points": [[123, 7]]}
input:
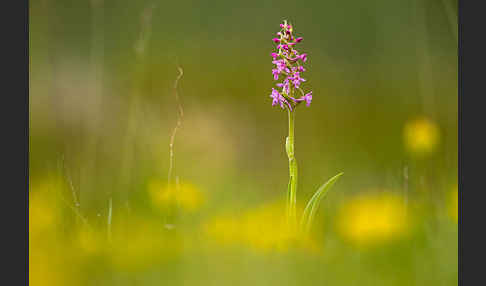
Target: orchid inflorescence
{"points": [[288, 62]]}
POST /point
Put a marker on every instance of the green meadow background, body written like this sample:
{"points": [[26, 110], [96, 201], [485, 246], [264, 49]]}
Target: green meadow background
{"points": [[103, 107]]}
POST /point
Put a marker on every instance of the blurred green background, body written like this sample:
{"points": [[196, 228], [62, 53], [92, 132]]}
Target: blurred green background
{"points": [[103, 107]]}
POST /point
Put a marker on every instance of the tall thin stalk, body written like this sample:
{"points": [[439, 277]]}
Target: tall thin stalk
{"points": [[292, 190], [170, 176], [110, 214], [180, 115]]}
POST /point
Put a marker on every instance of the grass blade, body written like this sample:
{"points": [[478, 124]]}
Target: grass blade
{"points": [[110, 212], [313, 204]]}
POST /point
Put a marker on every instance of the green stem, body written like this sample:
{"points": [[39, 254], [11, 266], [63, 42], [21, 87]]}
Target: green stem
{"points": [[110, 213], [292, 190]]}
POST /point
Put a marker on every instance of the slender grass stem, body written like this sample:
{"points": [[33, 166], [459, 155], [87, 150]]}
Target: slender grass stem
{"points": [[180, 115], [110, 213], [292, 190], [170, 175]]}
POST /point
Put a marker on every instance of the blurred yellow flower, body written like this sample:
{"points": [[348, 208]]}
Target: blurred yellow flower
{"points": [[90, 241], [47, 267], [42, 215], [45, 235], [453, 204], [44, 209], [421, 136], [140, 243], [263, 228], [185, 195], [42, 272], [372, 219]]}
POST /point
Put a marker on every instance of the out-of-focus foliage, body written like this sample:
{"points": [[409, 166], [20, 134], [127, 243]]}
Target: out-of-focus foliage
{"points": [[452, 204]]}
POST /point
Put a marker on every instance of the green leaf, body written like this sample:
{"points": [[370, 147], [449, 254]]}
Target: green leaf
{"points": [[313, 204]]}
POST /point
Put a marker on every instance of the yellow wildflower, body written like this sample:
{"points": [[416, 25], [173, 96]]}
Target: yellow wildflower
{"points": [[42, 215], [185, 195], [42, 272], [47, 267], [141, 242], [44, 209], [90, 241], [372, 219], [421, 136], [263, 228]]}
